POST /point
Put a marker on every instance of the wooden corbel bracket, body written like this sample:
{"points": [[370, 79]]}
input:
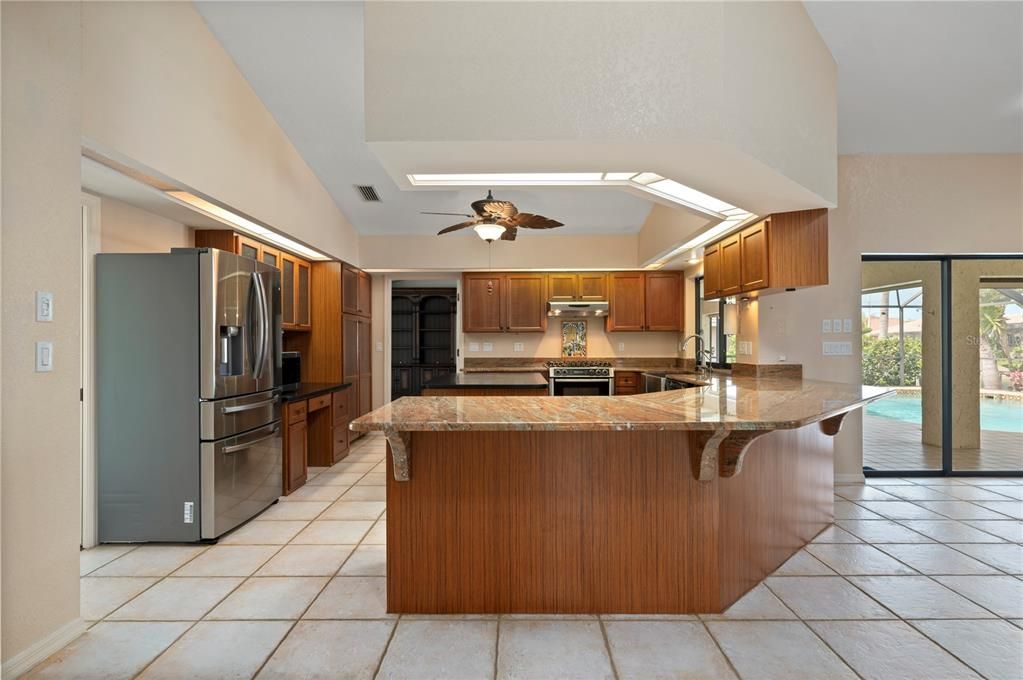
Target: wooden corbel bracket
{"points": [[720, 452], [400, 443], [833, 425]]}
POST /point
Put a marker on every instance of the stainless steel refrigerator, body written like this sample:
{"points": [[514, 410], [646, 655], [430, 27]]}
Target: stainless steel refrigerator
{"points": [[188, 347]]}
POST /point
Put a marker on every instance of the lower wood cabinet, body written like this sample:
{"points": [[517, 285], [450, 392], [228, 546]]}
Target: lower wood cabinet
{"points": [[315, 434], [627, 382]]}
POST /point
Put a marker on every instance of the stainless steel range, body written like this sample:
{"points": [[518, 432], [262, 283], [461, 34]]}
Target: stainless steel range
{"points": [[580, 378]]}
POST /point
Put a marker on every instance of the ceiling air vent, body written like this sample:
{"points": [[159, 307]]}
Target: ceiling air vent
{"points": [[367, 192]]}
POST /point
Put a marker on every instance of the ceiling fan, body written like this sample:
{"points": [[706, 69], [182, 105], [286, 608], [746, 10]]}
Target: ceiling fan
{"points": [[496, 219]]}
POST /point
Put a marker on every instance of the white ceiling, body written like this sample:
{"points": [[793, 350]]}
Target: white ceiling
{"points": [[926, 77], [305, 61], [914, 77]]}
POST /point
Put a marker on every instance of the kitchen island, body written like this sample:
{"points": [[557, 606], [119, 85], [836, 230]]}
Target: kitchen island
{"points": [[671, 503]]}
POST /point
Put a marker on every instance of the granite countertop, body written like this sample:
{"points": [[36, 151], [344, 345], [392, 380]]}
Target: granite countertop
{"points": [[723, 403], [307, 390], [496, 380]]}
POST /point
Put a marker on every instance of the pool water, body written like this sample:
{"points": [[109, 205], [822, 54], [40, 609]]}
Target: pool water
{"points": [[1002, 415]]}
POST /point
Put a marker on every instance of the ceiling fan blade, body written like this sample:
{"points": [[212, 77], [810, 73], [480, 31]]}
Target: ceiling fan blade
{"points": [[531, 221], [495, 209], [426, 212], [456, 227], [509, 234]]}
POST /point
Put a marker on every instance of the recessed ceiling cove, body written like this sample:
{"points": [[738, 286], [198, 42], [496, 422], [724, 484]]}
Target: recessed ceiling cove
{"points": [[734, 100]]}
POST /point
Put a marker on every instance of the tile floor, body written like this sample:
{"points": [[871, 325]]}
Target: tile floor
{"points": [[917, 578]]}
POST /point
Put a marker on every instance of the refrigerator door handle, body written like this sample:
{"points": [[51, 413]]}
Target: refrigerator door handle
{"points": [[261, 302], [234, 448]]}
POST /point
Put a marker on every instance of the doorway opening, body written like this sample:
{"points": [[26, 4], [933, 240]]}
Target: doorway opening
{"points": [[424, 333]]}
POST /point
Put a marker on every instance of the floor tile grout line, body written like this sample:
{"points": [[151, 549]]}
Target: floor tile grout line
{"points": [[94, 569], [497, 645], [607, 648], [720, 649], [387, 647], [946, 649]]}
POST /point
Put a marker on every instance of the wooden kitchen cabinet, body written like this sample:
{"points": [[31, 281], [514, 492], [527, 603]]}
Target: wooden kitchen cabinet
{"points": [[515, 302], [627, 301], [358, 360], [584, 286], [731, 266], [784, 251], [295, 449], [525, 303], [712, 271], [357, 291], [627, 382], [663, 301]]}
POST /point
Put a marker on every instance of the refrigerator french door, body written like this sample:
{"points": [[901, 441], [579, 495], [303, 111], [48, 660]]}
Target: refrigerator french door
{"points": [[188, 366]]}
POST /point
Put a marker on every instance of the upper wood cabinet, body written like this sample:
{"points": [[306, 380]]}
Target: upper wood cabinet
{"points": [[568, 287], [356, 291], [483, 311], [663, 301], [731, 265], [753, 250], [784, 251], [295, 274], [515, 302], [627, 298], [712, 271]]}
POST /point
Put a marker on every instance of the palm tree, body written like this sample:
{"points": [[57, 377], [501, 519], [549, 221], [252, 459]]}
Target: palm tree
{"points": [[993, 344]]}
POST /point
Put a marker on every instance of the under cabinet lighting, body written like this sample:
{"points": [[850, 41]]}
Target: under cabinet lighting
{"points": [[243, 224]]}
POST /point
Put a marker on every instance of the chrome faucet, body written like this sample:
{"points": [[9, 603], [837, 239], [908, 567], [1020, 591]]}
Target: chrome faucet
{"points": [[701, 354]]}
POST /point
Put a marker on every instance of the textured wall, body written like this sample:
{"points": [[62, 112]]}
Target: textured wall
{"points": [[127, 229], [40, 144]]}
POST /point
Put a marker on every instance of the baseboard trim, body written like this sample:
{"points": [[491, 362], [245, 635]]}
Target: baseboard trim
{"points": [[40, 650], [850, 478]]}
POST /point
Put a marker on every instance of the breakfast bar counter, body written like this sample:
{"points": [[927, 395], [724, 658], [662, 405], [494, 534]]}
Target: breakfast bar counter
{"points": [[672, 502]]}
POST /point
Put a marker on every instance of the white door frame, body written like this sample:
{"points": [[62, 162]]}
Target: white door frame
{"points": [[90, 247]]}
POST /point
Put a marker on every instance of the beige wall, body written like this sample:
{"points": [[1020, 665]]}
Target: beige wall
{"points": [[469, 252], [125, 228], [41, 130], [160, 91], [891, 204], [599, 343], [665, 228]]}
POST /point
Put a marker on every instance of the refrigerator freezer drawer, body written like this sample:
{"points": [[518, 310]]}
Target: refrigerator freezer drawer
{"points": [[234, 415], [240, 476]]}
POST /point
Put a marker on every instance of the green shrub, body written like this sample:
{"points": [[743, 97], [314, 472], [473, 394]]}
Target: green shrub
{"points": [[881, 361]]}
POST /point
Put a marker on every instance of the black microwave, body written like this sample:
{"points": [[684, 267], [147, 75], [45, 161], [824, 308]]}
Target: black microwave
{"points": [[291, 370]]}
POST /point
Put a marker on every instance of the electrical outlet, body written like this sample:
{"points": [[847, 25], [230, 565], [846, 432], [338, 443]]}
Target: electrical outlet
{"points": [[44, 306], [847, 325], [826, 326], [518, 347], [488, 347], [621, 346], [474, 347]]}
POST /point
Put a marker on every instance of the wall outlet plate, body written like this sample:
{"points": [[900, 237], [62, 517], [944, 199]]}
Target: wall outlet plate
{"points": [[44, 356], [519, 347], [380, 347], [826, 326], [837, 349], [44, 306], [836, 325], [621, 346], [488, 347], [847, 325], [474, 347]]}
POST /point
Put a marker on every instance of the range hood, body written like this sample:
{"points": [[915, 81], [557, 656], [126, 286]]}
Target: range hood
{"points": [[568, 309]]}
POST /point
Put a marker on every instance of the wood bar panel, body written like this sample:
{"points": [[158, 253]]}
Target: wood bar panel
{"points": [[595, 522]]}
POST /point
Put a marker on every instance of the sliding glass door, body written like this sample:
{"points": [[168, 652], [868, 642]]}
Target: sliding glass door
{"points": [[947, 334]]}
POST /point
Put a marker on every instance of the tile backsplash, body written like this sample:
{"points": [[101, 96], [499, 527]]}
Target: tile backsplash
{"points": [[548, 345]]}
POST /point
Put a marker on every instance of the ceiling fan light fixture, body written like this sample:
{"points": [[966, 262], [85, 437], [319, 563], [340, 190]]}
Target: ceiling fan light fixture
{"points": [[489, 232]]}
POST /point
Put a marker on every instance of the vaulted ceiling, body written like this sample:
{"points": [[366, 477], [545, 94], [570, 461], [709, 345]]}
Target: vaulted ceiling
{"points": [[913, 77]]}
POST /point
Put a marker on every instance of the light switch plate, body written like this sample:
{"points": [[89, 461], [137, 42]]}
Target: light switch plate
{"points": [[826, 326], [380, 347], [474, 347], [837, 349], [519, 347], [44, 306], [488, 347], [44, 356], [836, 325], [847, 325]]}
